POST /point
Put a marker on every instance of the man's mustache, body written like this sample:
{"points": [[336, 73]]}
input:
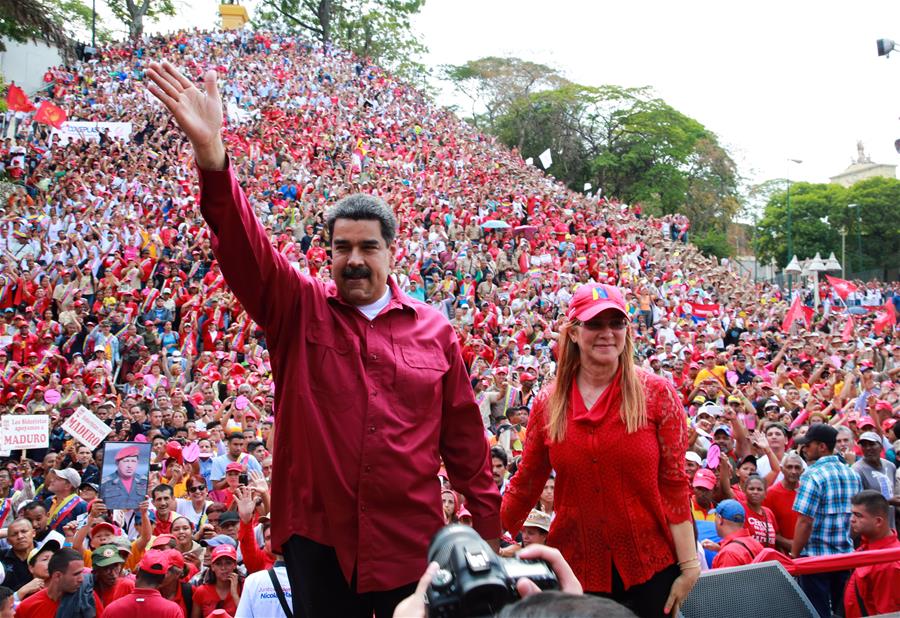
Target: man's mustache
{"points": [[360, 272]]}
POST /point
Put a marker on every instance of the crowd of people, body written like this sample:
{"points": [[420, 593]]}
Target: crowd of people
{"points": [[112, 300]]}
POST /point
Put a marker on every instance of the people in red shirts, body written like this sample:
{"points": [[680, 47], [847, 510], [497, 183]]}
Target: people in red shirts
{"points": [[780, 496], [874, 589], [737, 547], [146, 600], [760, 520], [616, 437], [222, 584], [66, 570]]}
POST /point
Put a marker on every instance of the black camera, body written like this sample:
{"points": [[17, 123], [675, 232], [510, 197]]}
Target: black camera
{"points": [[473, 580]]}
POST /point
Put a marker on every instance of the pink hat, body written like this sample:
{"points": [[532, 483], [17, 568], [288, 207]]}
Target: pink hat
{"points": [[223, 551], [705, 478], [592, 298]]}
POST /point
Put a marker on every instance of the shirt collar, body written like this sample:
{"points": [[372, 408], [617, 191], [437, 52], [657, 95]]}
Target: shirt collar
{"points": [[888, 541], [399, 300]]}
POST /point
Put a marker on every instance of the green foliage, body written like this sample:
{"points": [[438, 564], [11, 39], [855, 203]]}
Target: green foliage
{"points": [[57, 22], [380, 30], [713, 242], [627, 141], [875, 225], [133, 12]]}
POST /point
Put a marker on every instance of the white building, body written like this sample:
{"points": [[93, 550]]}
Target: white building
{"points": [[26, 63]]}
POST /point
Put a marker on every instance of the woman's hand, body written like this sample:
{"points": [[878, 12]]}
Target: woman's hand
{"points": [[681, 587], [233, 582]]}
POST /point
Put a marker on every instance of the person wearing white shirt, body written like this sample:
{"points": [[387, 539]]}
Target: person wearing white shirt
{"points": [[260, 599]]}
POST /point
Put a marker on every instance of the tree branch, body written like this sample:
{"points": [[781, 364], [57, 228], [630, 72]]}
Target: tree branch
{"points": [[299, 22]]}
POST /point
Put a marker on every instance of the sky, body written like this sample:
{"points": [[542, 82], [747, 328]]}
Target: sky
{"points": [[793, 79]]}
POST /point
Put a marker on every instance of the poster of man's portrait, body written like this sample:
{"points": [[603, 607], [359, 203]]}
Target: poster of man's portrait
{"points": [[126, 468]]}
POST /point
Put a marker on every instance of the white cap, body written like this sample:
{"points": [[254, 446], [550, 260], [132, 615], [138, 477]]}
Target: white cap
{"points": [[692, 456], [870, 436]]}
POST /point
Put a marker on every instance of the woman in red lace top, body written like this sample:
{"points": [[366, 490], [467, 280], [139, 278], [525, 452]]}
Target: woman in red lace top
{"points": [[616, 437]]}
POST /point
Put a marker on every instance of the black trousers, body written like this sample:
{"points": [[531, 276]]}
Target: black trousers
{"points": [[648, 599], [318, 587]]}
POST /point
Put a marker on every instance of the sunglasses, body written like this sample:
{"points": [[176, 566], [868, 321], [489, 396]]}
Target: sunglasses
{"points": [[613, 324], [197, 488]]}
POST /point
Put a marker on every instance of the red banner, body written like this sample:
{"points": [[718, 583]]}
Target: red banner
{"points": [[704, 311], [843, 287], [50, 114], [16, 100]]}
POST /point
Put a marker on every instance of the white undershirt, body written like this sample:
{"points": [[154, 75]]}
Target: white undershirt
{"points": [[372, 311]]}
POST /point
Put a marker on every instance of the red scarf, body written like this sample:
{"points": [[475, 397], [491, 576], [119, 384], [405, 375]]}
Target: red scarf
{"points": [[610, 400]]}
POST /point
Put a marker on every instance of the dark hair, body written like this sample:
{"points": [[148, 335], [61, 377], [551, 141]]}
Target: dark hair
{"points": [[5, 593], [554, 604], [363, 207], [234, 435], [756, 477], [781, 427], [498, 452], [872, 501], [31, 506], [162, 487], [255, 444], [62, 558]]}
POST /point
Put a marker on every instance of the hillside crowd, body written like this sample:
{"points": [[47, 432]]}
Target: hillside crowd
{"points": [[111, 299]]}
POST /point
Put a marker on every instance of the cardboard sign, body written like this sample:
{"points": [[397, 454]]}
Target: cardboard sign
{"points": [[85, 427], [25, 431]]}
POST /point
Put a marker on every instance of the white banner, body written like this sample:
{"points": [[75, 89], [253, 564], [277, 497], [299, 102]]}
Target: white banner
{"points": [[546, 159], [25, 431], [77, 129], [85, 427]]}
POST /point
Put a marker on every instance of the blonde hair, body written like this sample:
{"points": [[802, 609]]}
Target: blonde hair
{"points": [[633, 411]]}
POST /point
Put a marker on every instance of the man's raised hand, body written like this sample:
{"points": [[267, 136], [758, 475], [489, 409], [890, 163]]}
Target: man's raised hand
{"points": [[198, 114]]}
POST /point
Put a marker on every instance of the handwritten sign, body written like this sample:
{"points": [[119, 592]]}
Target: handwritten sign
{"points": [[25, 431], [85, 427]]}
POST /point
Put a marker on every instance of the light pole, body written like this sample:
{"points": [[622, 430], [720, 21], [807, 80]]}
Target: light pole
{"points": [[790, 237], [843, 232], [858, 234]]}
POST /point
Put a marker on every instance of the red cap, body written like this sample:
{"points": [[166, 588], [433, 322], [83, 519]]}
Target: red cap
{"points": [[103, 525], [128, 451], [234, 467], [155, 562], [705, 478], [173, 450], [176, 560], [162, 541], [223, 551], [592, 298]]}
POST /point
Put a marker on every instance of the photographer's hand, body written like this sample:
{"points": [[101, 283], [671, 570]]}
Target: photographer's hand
{"points": [[567, 580], [413, 606]]}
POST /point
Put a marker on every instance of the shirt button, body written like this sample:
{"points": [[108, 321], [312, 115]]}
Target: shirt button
{"points": [[594, 460], [371, 428], [364, 508], [371, 324], [368, 468], [374, 357]]}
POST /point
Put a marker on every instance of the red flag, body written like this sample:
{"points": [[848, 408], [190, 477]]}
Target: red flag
{"points": [[886, 317], [793, 314], [50, 114], [523, 262], [841, 286], [16, 100], [849, 330]]}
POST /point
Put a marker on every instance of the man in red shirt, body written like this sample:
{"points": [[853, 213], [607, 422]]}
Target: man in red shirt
{"points": [[66, 569], [780, 497], [873, 589], [737, 547], [146, 600], [371, 389]]}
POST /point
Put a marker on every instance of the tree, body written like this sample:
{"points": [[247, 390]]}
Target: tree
{"points": [[133, 12], [56, 22], [496, 84], [379, 30]]}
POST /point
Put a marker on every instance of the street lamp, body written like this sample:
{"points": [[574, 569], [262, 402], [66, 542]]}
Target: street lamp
{"points": [[858, 233], [790, 238]]}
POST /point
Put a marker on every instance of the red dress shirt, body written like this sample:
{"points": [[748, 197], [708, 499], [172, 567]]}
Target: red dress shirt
{"points": [[736, 550], [143, 602], [616, 493], [366, 409], [877, 584]]}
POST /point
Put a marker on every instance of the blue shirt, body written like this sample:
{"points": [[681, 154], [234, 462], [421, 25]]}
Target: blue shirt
{"points": [[824, 495], [219, 464]]}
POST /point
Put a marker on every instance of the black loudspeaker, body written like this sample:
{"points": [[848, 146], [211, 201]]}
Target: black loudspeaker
{"points": [[753, 591]]}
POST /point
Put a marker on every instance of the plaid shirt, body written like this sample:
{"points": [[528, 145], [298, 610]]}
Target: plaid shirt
{"points": [[824, 495]]}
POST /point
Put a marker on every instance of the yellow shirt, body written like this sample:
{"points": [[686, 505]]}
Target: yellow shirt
{"points": [[718, 372]]}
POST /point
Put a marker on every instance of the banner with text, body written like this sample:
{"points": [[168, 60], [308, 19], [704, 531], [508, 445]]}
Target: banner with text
{"points": [[85, 427], [25, 431], [79, 129]]}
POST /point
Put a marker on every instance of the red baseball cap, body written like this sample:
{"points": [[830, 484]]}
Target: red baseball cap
{"points": [[234, 466], [155, 562], [161, 541], [223, 551], [705, 478], [592, 298]]}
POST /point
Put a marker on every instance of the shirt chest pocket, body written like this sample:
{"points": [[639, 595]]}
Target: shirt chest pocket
{"points": [[420, 371], [331, 367]]}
